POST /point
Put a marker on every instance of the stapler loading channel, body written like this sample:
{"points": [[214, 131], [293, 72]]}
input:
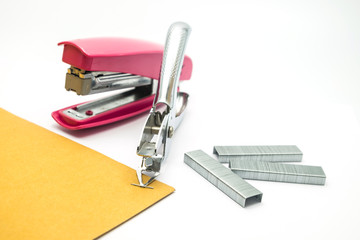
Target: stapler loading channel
{"points": [[106, 64]]}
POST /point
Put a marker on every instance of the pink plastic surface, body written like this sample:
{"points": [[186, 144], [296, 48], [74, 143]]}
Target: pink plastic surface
{"points": [[119, 55]]}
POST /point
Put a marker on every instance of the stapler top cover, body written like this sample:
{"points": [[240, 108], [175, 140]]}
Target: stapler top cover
{"points": [[115, 54]]}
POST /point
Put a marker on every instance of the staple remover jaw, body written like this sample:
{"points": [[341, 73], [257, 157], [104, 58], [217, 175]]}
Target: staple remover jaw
{"points": [[155, 142], [168, 107]]}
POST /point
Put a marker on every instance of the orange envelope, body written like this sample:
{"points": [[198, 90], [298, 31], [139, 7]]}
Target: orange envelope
{"points": [[54, 188]]}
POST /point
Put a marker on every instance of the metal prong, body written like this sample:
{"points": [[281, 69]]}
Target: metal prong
{"points": [[139, 173], [142, 186]]}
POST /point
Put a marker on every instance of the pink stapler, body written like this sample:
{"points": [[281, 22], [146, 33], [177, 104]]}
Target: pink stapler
{"points": [[106, 64]]}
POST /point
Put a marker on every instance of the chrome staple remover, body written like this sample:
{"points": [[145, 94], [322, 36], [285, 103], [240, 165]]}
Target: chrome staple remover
{"points": [[168, 106]]}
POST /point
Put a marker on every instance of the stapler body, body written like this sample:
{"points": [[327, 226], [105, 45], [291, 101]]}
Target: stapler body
{"points": [[105, 64]]}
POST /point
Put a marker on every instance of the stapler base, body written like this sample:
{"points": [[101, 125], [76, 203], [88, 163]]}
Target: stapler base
{"points": [[108, 110]]}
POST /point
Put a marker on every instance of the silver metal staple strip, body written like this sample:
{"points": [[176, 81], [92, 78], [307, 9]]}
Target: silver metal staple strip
{"points": [[223, 178], [278, 172], [271, 153]]}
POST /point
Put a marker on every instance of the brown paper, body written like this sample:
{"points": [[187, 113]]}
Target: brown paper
{"points": [[54, 188]]}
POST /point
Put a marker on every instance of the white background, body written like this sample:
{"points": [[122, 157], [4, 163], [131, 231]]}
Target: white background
{"points": [[265, 72]]}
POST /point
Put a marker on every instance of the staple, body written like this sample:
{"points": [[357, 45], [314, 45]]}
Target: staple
{"points": [[270, 153], [278, 172], [223, 178]]}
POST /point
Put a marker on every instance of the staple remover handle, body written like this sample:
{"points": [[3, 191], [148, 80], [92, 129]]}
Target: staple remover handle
{"points": [[173, 58]]}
